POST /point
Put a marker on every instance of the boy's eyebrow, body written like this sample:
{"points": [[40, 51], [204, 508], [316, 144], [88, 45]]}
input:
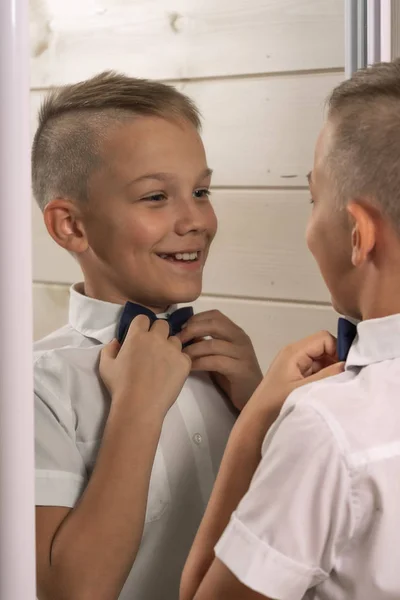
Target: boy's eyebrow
{"points": [[206, 173], [165, 176], [309, 177]]}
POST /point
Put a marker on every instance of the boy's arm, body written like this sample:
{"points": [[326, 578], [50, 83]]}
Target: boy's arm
{"points": [[221, 584], [87, 552], [240, 461], [242, 457]]}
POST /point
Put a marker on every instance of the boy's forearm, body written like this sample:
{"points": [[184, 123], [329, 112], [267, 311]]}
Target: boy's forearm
{"points": [[239, 463], [96, 546]]}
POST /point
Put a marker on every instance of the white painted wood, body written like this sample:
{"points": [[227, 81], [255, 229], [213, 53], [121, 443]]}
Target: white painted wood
{"points": [[50, 308], [175, 39], [259, 252], [271, 325], [261, 131], [260, 249], [258, 131]]}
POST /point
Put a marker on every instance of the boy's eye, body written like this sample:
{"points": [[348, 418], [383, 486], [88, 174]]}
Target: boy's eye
{"points": [[155, 197], [202, 193], [311, 200]]}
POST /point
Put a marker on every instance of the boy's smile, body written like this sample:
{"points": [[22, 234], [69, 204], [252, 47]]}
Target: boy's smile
{"points": [[148, 222], [187, 259]]}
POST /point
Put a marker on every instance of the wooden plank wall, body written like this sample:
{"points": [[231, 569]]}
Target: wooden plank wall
{"points": [[260, 71]]}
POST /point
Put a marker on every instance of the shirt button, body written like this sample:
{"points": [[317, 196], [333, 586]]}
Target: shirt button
{"points": [[197, 439]]}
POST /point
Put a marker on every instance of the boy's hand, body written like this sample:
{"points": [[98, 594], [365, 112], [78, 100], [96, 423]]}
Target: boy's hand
{"points": [[148, 370], [301, 363], [229, 355]]}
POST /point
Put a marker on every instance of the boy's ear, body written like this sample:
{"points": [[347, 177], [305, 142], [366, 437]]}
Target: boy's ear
{"points": [[64, 223], [364, 218]]}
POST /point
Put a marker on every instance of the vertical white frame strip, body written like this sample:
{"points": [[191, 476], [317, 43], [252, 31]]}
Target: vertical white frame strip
{"points": [[362, 53], [350, 35], [17, 548], [386, 30], [373, 31]]}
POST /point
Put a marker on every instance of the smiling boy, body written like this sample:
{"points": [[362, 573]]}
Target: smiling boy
{"points": [[120, 172]]}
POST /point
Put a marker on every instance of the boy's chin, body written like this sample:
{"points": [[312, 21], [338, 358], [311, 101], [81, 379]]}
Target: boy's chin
{"points": [[183, 298], [344, 311], [183, 294]]}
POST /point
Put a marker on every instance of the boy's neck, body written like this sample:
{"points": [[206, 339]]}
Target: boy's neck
{"points": [[116, 298], [381, 298]]}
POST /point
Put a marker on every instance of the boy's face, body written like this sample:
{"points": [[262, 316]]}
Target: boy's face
{"points": [[329, 233], [149, 222]]}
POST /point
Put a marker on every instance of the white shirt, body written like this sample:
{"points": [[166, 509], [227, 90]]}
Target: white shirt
{"points": [[321, 519], [71, 408]]}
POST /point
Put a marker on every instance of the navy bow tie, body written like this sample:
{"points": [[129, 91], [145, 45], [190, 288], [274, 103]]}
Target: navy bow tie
{"points": [[131, 310], [347, 331]]}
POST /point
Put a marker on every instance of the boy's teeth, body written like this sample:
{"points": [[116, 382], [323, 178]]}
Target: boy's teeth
{"points": [[186, 256], [182, 255]]}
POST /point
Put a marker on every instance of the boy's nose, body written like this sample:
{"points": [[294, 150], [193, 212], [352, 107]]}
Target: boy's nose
{"points": [[191, 217]]}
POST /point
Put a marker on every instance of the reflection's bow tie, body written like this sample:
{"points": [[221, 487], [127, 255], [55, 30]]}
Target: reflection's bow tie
{"points": [[347, 331], [131, 310]]}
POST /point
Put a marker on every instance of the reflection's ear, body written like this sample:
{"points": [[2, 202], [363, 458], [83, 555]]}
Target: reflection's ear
{"points": [[64, 223], [364, 217]]}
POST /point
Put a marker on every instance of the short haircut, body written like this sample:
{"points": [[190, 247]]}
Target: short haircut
{"points": [[364, 159], [73, 121]]}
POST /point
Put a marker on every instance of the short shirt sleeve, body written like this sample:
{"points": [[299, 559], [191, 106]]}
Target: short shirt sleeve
{"points": [[287, 531], [60, 473]]}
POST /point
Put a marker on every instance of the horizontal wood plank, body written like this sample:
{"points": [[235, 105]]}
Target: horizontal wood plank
{"points": [[260, 249], [183, 39], [262, 131], [270, 325]]}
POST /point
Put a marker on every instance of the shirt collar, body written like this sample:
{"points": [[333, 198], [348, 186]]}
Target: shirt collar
{"points": [[95, 318], [377, 340]]}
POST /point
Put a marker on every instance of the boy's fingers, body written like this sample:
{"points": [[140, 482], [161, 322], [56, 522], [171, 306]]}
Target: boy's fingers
{"points": [[161, 328], [211, 348], [321, 363], [314, 348], [321, 343], [215, 364], [210, 315], [218, 329], [111, 350], [139, 323], [175, 341], [330, 371]]}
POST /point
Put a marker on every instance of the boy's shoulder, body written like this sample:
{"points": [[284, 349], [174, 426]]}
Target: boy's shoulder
{"points": [[60, 355], [60, 338], [359, 407]]}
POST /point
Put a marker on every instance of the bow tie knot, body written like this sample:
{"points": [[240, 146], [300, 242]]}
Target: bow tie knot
{"points": [[176, 320]]}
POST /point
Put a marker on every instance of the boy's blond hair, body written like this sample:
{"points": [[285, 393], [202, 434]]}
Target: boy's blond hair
{"points": [[73, 120], [364, 159]]}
